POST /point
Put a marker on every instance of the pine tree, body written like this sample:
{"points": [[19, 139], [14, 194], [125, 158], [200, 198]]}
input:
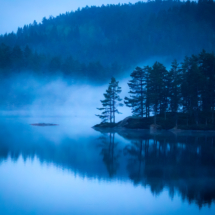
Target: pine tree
{"points": [[175, 88], [106, 114], [5, 56], [158, 91], [111, 102], [115, 98], [138, 100], [147, 92], [192, 87], [207, 68], [17, 57]]}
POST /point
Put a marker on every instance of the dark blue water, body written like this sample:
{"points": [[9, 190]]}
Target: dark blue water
{"points": [[74, 169]]}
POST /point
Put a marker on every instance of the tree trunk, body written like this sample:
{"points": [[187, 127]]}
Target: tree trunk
{"points": [[187, 119], [141, 98], [113, 106], [197, 117], [212, 116], [146, 112], [155, 118]]}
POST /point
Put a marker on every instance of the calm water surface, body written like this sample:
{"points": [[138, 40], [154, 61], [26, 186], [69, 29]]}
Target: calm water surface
{"points": [[74, 169]]}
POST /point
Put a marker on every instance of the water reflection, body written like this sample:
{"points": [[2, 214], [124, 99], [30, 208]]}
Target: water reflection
{"points": [[110, 153], [182, 163]]}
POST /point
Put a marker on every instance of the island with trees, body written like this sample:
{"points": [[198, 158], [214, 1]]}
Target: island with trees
{"points": [[182, 97]]}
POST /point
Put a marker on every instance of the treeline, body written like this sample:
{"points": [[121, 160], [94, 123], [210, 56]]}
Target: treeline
{"points": [[14, 60], [127, 34], [187, 88]]}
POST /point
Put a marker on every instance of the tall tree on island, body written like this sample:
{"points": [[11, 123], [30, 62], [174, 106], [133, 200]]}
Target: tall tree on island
{"points": [[111, 102], [138, 100], [158, 91], [115, 98], [207, 68], [192, 87], [175, 89], [106, 109]]}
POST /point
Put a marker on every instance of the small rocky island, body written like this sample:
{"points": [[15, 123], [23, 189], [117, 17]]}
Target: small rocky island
{"points": [[44, 124], [167, 122], [182, 97]]}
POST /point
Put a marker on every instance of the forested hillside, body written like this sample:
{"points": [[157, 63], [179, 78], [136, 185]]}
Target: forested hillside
{"points": [[109, 39]]}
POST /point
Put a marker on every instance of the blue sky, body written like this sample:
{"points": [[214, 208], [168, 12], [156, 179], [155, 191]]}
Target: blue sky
{"points": [[17, 13]]}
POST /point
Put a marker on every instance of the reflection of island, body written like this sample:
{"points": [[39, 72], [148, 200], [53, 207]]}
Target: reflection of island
{"points": [[109, 153], [183, 163], [137, 152]]}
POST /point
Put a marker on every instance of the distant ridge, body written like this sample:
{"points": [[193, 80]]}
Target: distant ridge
{"points": [[123, 34]]}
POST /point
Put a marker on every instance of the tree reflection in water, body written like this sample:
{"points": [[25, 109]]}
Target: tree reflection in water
{"points": [[110, 153], [182, 164]]}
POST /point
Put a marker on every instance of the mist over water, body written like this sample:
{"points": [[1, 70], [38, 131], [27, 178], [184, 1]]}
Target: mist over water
{"points": [[32, 97], [25, 94], [59, 169]]}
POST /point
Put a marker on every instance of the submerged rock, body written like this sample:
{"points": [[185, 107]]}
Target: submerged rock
{"points": [[44, 124]]}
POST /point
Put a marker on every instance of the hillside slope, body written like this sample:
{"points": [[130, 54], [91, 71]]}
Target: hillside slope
{"points": [[123, 34]]}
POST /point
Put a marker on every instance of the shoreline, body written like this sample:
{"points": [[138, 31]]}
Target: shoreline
{"points": [[131, 123], [145, 129], [172, 130]]}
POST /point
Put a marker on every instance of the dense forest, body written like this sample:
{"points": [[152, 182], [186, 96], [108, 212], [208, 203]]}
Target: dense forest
{"points": [[103, 41], [187, 88], [14, 60]]}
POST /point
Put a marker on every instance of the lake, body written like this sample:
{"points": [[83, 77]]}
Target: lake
{"points": [[73, 169]]}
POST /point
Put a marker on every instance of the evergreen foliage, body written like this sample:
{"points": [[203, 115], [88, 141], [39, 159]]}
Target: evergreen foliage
{"points": [[16, 59], [174, 86], [188, 88], [138, 91], [158, 88], [111, 102], [103, 41]]}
